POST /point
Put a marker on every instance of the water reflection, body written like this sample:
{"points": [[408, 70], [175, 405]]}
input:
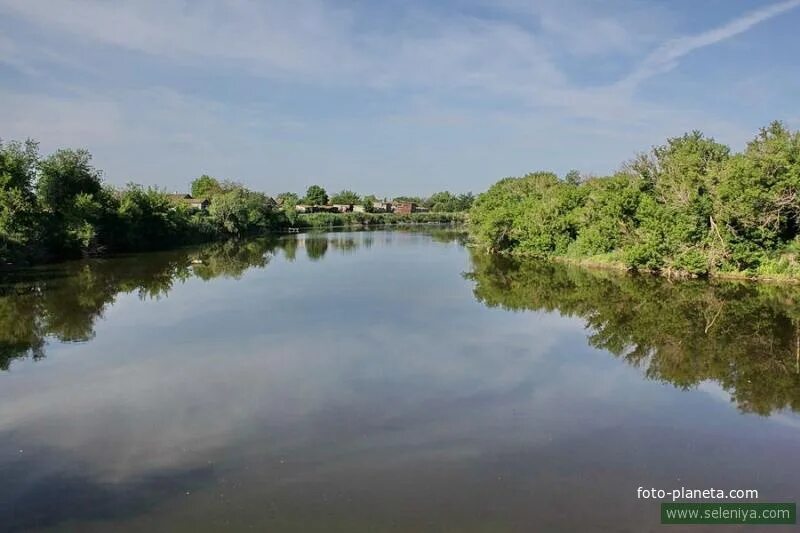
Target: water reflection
{"points": [[743, 336], [63, 301], [371, 391]]}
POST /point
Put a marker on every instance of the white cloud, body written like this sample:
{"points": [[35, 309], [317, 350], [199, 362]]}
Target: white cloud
{"points": [[511, 65], [666, 56], [297, 37]]}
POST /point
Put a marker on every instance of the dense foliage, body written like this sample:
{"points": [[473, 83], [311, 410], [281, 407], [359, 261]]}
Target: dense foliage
{"points": [[58, 207], [689, 206], [315, 195], [345, 197]]}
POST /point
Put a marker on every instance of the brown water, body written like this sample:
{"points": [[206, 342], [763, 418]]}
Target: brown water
{"points": [[384, 381]]}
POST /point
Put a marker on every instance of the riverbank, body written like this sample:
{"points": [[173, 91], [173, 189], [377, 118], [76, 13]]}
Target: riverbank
{"points": [[331, 220], [611, 263], [311, 222], [691, 207]]}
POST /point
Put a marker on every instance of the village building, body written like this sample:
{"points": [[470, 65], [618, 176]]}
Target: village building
{"points": [[200, 204], [305, 208], [382, 207], [405, 208]]}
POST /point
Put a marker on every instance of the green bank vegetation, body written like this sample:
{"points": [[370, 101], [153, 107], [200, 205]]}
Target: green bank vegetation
{"points": [[333, 220], [688, 207], [59, 207]]}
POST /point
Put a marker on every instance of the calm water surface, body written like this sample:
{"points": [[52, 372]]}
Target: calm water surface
{"points": [[383, 381]]}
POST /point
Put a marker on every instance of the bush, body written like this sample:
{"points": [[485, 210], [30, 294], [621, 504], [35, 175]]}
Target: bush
{"points": [[688, 205]]}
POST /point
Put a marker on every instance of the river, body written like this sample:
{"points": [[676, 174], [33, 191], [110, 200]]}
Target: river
{"points": [[384, 381]]}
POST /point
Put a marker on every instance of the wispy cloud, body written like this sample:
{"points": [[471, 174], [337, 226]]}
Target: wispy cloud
{"points": [[666, 56], [185, 80]]}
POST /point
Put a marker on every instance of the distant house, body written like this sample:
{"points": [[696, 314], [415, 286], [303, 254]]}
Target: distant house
{"points": [[382, 207], [359, 209], [343, 208], [305, 208], [187, 199], [405, 208]]}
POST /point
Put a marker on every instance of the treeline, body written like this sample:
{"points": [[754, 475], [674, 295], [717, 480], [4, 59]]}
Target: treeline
{"points": [[690, 206], [59, 207]]}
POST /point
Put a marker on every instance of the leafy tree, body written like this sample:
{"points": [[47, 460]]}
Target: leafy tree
{"points": [[149, 219], [687, 206], [345, 197], [413, 199], [65, 175], [19, 211], [240, 211], [70, 191], [205, 187], [288, 202], [288, 199], [316, 195], [368, 202], [573, 177], [447, 202]]}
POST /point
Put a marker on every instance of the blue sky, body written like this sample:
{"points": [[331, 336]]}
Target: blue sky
{"points": [[388, 97]]}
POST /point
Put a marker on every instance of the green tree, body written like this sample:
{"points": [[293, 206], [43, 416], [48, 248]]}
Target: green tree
{"points": [[148, 218], [368, 202], [413, 199], [240, 211], [70, 191], [19, 212], [205, 187], [65, 175], [316, 195], [447, 202], [573, 177], [345, 197], [288, 199], [288, 202]]}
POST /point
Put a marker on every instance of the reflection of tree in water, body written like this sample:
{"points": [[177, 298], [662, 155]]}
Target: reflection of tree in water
{"points": [[344, 244], [63, 301], [289, 247], [744, 336], [316, 247], [231, 259]]}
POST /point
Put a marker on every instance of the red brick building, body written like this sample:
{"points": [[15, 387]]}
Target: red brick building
{"points": [[405, 208]]}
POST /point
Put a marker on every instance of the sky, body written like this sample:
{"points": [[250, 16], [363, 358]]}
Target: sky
{"points": [[388, 97]]}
